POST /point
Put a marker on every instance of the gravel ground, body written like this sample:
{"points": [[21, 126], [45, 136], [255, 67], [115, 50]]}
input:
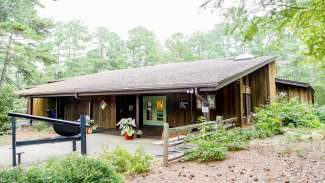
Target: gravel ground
{"points": [[269, 160]]}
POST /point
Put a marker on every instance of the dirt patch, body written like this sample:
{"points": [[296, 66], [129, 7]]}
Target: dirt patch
{"points": [[27, 133], [268, 160]]}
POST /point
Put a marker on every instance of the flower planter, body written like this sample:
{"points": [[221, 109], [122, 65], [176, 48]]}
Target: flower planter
{"points": [[89, 130], [127, 137]]}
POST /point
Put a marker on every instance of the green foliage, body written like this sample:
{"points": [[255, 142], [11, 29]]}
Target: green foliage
{"points": [[127, 125], [216, 145], [206, 151], [320, 111], [73, 168], [269, 121], [270, 118], [41, 126], [7, 101], [125, 162]]}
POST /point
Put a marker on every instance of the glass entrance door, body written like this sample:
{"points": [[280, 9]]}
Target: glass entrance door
{"points": [[154, 110]]}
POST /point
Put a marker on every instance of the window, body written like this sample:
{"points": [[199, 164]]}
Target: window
{"points": [[160, 110], [149, 110], [212, 101]]}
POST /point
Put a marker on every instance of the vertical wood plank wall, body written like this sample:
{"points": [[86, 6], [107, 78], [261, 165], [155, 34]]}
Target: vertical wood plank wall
{"points": [[303, 94], [39, 106], [225, 106], [73, 108], [262, 85], [105, 118]]}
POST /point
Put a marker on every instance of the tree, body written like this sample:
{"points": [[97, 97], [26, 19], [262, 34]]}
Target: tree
{"points": [[21, 33], [178, 48], [110, 48], [144, 48]]}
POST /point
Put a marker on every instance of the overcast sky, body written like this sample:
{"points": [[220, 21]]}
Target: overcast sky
{"points": [[164, 17]]}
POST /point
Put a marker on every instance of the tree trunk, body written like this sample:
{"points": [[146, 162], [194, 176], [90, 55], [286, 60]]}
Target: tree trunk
{"points": [[6, 62]]}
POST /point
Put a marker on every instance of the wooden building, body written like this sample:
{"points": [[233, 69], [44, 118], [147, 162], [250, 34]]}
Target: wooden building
{"points": [[177, 93], [291, 89]]}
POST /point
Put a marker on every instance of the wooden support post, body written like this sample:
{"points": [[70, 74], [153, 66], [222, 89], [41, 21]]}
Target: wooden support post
{"points": [[137, 111], [56, 108], [239, 102], [219, 119], [165, 145], [83, 134], [13, 135], [31, 111], [74, 146]]}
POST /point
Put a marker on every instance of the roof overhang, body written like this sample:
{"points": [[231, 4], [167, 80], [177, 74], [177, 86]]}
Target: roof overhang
{"points": [[294, 83]]}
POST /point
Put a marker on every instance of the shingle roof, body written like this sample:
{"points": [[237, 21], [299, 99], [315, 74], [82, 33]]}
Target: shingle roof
{"points": [[203, 73]]}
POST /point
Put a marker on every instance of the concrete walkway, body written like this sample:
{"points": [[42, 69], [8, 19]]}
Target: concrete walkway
{"points": [[95, 144]]}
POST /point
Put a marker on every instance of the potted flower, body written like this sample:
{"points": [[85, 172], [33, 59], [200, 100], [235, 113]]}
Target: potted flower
{"points": [[127, 127], [92, 125]]}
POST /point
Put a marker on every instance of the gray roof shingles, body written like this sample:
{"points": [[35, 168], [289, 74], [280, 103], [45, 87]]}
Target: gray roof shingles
{"points": [[203, 73]]}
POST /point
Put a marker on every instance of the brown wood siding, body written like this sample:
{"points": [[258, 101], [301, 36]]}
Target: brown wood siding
{"points": [[303, 94], [262, 85], [225, 106], [105, 118], [73, 108], [39, 106]]}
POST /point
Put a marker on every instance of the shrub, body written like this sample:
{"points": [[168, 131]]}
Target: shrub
{"points": [[321, 113], [9, 103], [125, 162], [73, 168], [6, 105], [206, 151], [41, 126], [270, 118], [216, 145]]}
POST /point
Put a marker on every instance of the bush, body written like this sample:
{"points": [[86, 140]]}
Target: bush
{"points": [[124, 162], [73, 168], [271, 118], [216, 145], [269, 121], [7, 101], [321, 113], [206, 151], [41, 126]]}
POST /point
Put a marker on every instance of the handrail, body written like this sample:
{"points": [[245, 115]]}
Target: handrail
{"points": [[40, 118]]}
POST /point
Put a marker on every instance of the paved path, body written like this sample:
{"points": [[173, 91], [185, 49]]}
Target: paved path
{"points": [[95, 144]]}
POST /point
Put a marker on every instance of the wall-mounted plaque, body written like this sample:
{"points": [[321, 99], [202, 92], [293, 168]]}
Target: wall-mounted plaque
{"points": [[184, 104]]}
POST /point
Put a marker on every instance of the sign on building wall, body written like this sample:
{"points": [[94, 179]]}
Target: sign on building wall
{"points": [[211, 101]]}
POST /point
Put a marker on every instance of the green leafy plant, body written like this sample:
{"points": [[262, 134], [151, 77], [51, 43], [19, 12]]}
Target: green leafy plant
{"points": [[92, 124], [127, 125], [41, 126], [272, 117], [125, 162], [73, 168], [216, 145], [7, 101], [206, 151]]}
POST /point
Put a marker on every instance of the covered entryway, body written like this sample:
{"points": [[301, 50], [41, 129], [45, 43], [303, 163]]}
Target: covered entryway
{"points": [[125, 107]]}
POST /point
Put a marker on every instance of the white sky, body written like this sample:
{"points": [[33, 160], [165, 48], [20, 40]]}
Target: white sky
{"points": [[164, 17]]}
